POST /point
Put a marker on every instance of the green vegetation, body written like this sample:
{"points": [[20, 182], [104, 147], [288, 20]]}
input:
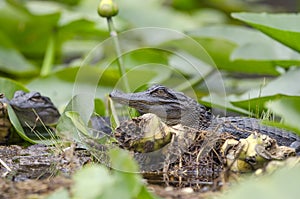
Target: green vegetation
{"points": [[103, 183], [63, 49]]}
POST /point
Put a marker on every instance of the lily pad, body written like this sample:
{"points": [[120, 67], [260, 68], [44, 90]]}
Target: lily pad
{"points": [[250, 49], [282, 27], [12, 61], [284, 86]]}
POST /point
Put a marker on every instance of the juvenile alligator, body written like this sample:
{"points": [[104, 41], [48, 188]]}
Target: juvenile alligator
{"points": [[176, 108], [32, 109]]}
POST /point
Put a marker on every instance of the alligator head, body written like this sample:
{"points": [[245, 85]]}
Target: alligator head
{"points": [[171, 106], [31, 106]]}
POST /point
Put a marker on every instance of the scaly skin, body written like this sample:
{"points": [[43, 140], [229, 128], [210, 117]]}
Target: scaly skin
{"points": [[242, 127], [176, 108], [29, 106], [32, 109]]}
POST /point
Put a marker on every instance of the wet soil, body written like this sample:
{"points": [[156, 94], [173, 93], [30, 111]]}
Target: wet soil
{"points": [[37, 171]]}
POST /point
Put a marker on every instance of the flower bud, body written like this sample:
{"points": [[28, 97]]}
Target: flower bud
{"points": [[107, 8]]}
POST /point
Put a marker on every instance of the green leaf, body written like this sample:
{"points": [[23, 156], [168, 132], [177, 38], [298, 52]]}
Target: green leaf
{"points": [[153, 14], [125, 169], [66, 130], [246, 49], [77, 121], [215, 101], [12, 61], [61, 193], [254, 100], [122, 161], [279, 185], [9, 87], [34, 30], [221, 51], [92, 182], [99, 107], [95, 181], [145, 194], [288, 108], [282, 27], [17, 125]]}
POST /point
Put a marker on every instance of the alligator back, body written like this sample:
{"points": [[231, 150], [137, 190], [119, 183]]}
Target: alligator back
{"points": [[242, 127]]}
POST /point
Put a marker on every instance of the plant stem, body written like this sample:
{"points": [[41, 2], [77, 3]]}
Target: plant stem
{"points": [[49, 57], [114, 36]]}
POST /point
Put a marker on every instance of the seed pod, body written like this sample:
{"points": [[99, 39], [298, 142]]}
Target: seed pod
{"points": [[107, 8]]}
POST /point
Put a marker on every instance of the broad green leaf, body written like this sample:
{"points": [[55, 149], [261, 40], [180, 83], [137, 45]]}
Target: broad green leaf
{"points": [[143, 56], [266, 52], [65, 127], [254, 100], [66, 130], [42, 7], [189, 64], [95, 181], [151, 74], [281, 184], [99, 107], [17, 125], [70, 28], [288, 108], [223, 103], [221, 50], [8, 87], [70, 125], [282, 27], [92, 182], [235, 34], [251, 47], [77, 121], [127, 190], [13, 62], [114, 120], [122, 161], [152, 14], [145, 194], [124, 169], [32, 36], [61, 193]]}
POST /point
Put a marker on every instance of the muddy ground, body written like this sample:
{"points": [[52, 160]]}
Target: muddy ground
{"points": [[37, 170]]}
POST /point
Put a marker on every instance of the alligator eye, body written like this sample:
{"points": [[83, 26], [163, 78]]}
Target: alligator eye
{"points": [[160, 93], [36, 99]]}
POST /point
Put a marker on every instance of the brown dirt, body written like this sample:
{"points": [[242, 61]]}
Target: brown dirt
{"points": [[38, 170]]}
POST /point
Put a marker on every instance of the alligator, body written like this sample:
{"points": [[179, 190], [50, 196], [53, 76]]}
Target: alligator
{"points": [[32, 109], [176, 108], [182, 115]]}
